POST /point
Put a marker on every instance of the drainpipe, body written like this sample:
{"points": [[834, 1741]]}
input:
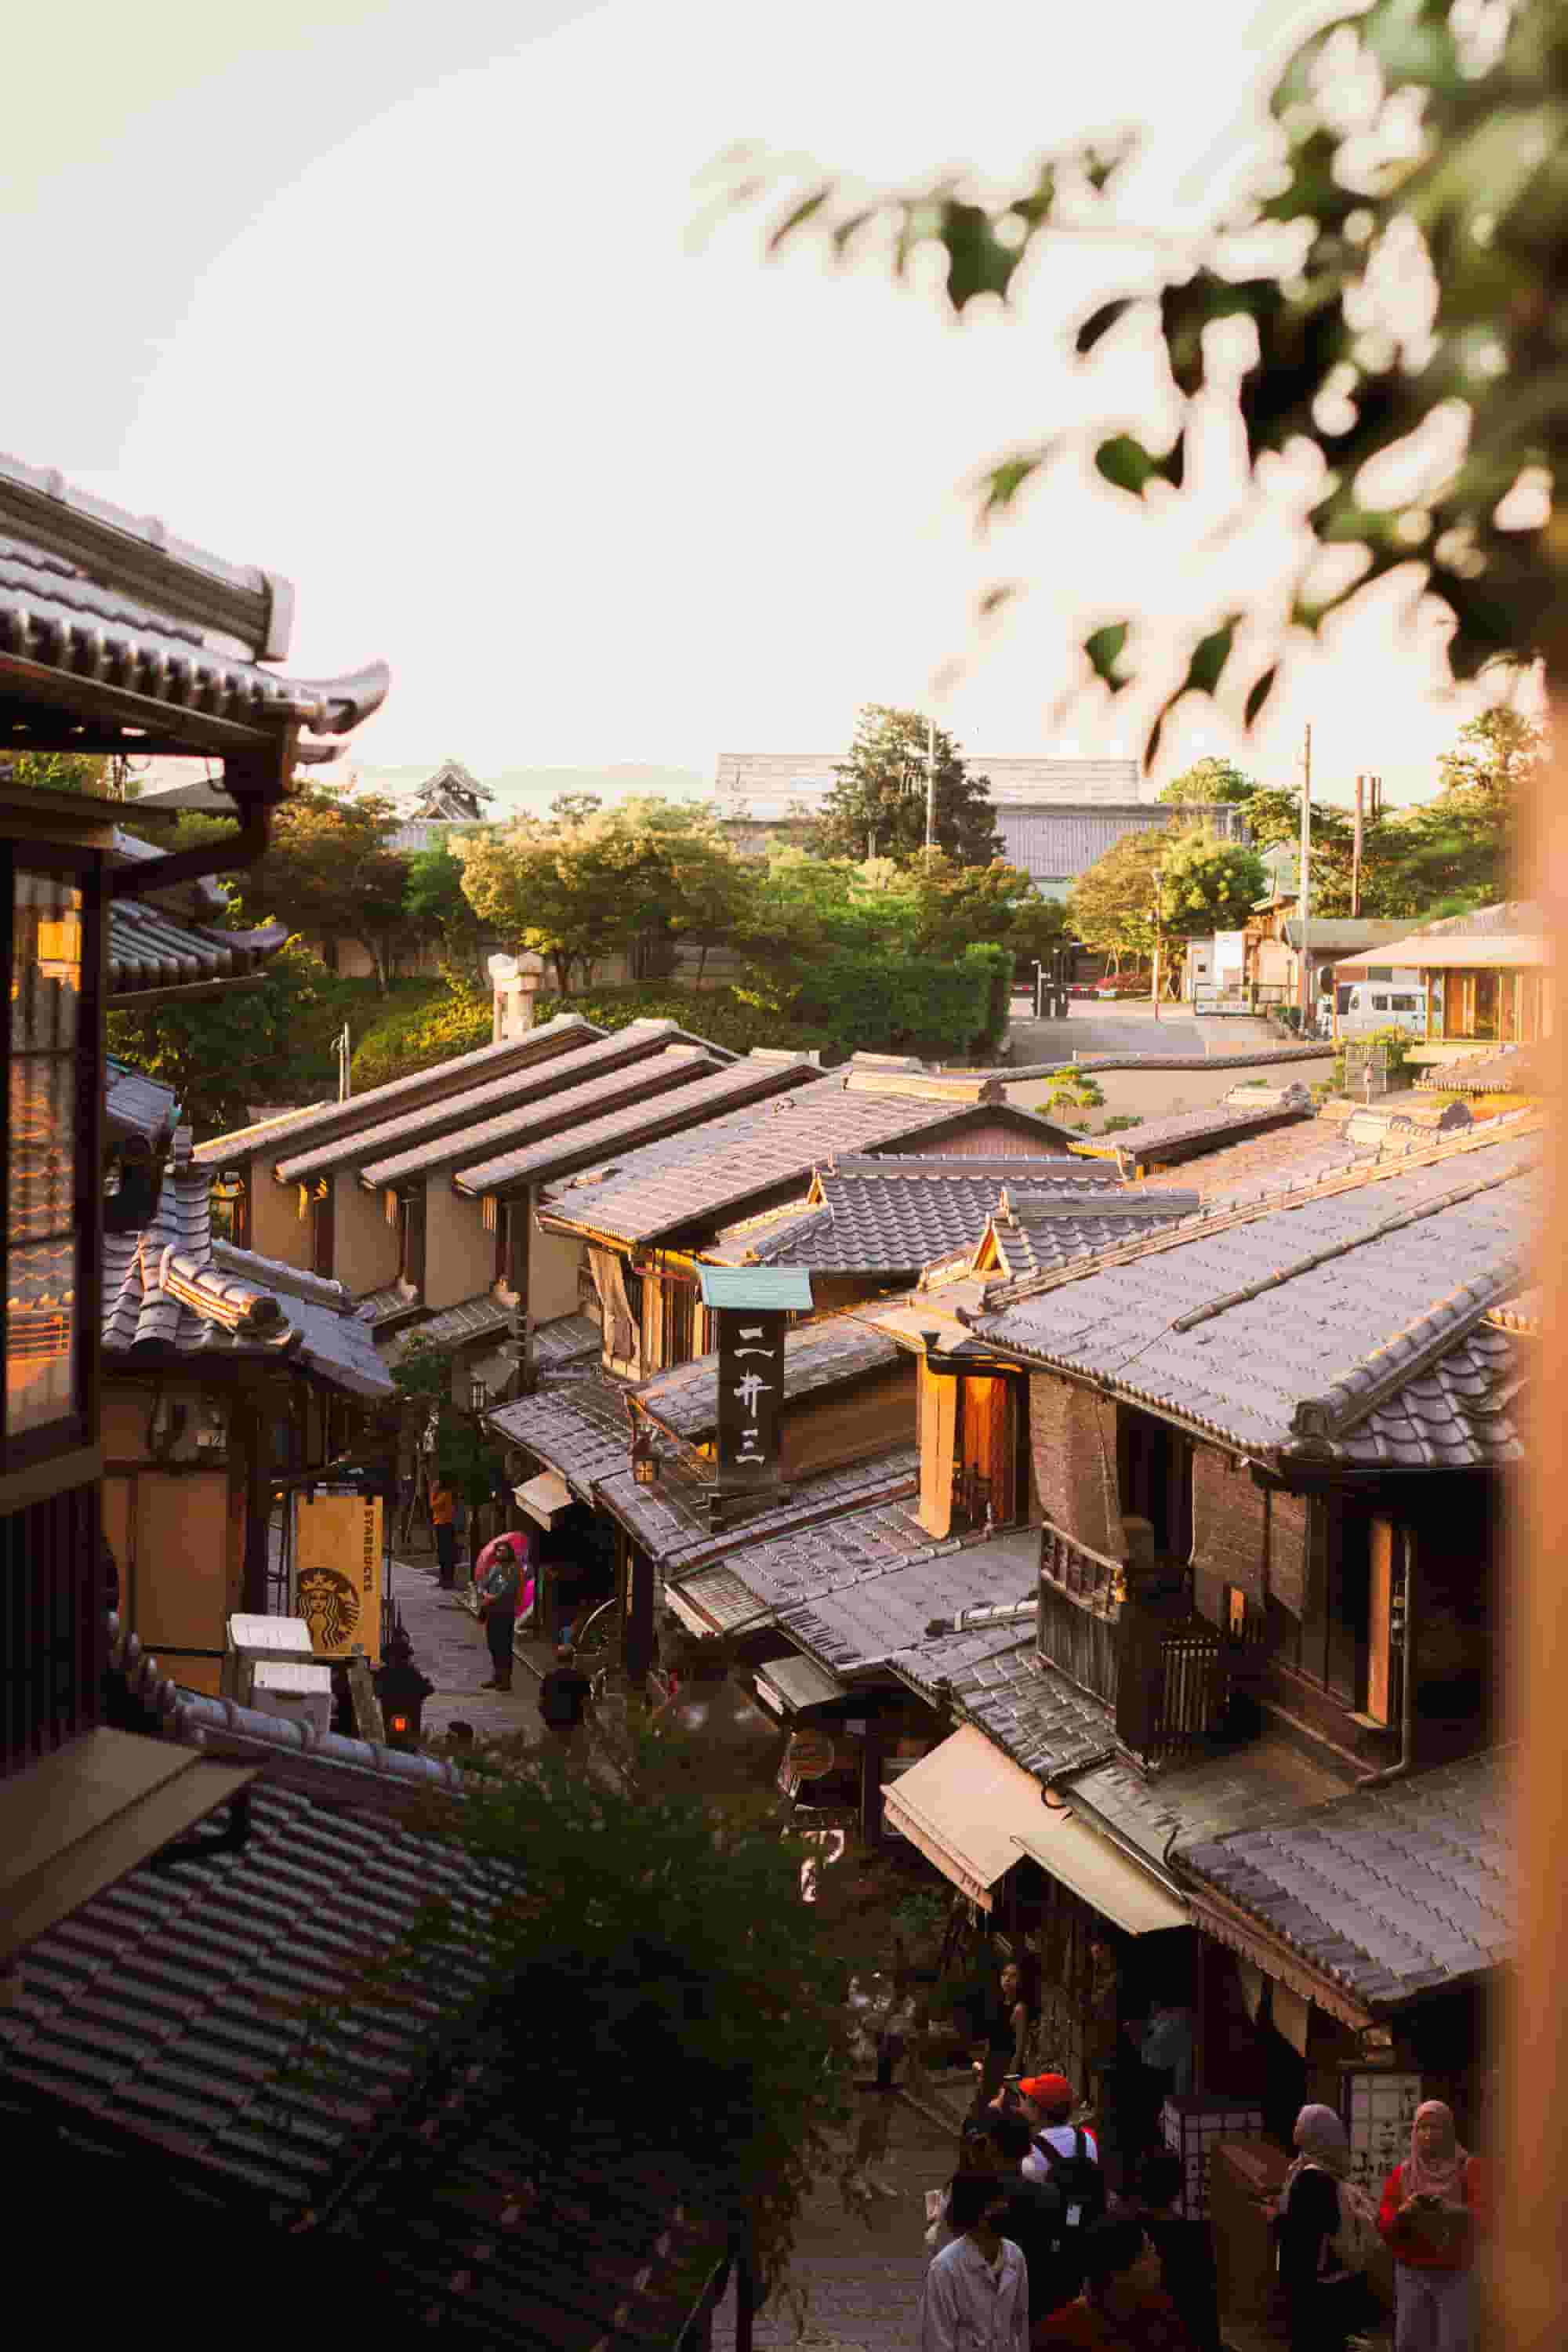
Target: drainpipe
{"points": [[1406, 1682]]}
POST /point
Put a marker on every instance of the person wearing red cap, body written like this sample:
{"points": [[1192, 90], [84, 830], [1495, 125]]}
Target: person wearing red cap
{"points": [[1066, 2156]]}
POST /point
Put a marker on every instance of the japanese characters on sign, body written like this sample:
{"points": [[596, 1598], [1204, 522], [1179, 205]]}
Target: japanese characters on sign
{"points": [[751, 1392]]}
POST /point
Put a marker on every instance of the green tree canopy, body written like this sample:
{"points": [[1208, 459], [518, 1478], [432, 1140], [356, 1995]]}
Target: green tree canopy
{"points": [[1210, 780], [1165, 881], [221, 1053], [437, 907], [878, 805], [330, 874]]}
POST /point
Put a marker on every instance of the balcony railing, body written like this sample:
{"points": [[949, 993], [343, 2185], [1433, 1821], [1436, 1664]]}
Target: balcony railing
{"points": [[1165, 1672], [1087, 1575]]}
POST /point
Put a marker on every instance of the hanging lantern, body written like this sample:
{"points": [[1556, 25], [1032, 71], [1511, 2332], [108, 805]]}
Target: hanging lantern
{"points": [[645, 1459]]}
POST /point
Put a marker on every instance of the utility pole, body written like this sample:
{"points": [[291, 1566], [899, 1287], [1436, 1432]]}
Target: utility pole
{"points": [[343, 1051], [930, 783], [1305, 905], [1159, 933], [1355, 846]]}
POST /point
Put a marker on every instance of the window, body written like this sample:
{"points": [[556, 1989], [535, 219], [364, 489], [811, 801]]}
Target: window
{"points": [[1406, 1004], [50, 1173], [411, 1239], [1380, 1003], [1380, 971]]}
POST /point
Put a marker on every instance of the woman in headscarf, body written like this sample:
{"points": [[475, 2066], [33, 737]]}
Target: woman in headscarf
{"points": [[1327, 2296], [1429, 2217]]}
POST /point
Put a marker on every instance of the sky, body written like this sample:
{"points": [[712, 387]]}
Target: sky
{"points": [[435, 311]]}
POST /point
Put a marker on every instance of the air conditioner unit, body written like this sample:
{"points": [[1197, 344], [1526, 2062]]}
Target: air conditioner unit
{"points": [[300, 1693]]}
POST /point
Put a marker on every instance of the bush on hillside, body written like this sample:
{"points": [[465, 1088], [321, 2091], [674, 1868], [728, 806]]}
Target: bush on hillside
{"points": [[461, 1020]]}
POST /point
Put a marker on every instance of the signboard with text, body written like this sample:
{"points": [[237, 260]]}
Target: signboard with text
{"points": [[751, 1394], [336, 1579]]}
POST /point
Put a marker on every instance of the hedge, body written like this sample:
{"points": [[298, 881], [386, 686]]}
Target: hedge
{"points": [[414, 1040], [911, 1004]]}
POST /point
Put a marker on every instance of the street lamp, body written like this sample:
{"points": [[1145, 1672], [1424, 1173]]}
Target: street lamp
{"points": [[645, 1458]]}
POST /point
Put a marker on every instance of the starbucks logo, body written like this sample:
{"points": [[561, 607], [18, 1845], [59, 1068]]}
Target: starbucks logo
{"points": [[330, 1606]]}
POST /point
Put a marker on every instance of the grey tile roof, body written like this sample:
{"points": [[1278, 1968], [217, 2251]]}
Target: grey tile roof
{"points": [[867, 1613], [1035, 1232], [560, 1061], [671, 1521], [565, 1340], [898, 1214], [135, 1105], [577, 1426], [651, 1075], [1257, 1058], [816, 1356], [148, 949], [1343, 935], [1283, 1326], [481, 1318], [1389, 1892], [166, 1286], [1191, 1803], [690, 1111], [926, 1665], [1463, 1413], [705, 1173], [1154, 1140], [1033, 1714], [320, 1120], [1054, 841], [389, 1306], [1296, 1154], [73, 615], [777, 1575], [1511, 1070]]}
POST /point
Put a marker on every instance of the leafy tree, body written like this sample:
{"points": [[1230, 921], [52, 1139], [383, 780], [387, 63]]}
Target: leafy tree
{"points": [[1209, 780], [64, 772], [1415, 150], [1163, 882], [221, 1053], [877, 803], [575, 808], [1207, 884], [423, 1376], [330, 874], [435, 906]]}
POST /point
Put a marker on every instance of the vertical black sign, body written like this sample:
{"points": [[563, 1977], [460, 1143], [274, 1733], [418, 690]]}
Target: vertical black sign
{"points": [[751, 1393]]}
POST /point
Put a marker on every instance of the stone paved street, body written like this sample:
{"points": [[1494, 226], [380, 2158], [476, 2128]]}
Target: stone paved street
{"points": [[855, 2282], [450, 1647]]}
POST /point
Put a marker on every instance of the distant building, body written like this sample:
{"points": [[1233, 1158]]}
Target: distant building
{"points": [[1056, 817]]}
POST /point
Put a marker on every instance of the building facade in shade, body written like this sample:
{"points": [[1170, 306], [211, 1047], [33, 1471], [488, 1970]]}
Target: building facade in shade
{"points": [[1056, 817]]}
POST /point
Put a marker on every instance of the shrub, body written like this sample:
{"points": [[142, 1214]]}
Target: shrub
{"points": [[906, 1004], [997, 964]]}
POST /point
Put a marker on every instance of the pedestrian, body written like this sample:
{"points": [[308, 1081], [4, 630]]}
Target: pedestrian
{"points": [[1326, 2233], [1067, 2156], [501, 1565], [1122, 2307], [1020, 2000], [443, 1507], [976, 2296], [564, 1694], [1431, 2212], [1187, 2268]]}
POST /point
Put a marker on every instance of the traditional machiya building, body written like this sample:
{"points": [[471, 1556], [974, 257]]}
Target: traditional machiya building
{"points": [[1487, 978]]}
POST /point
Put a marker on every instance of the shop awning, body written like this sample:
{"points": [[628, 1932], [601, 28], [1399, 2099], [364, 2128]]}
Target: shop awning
{"points": [[974, 1813], [544, 1498], [796, 1683]]}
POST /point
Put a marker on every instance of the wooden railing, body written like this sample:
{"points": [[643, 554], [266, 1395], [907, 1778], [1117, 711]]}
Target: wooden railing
{"points": [[1073, 1568], [1166, 1671]]}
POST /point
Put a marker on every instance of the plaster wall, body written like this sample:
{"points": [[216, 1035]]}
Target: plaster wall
{"points": [[552, 1263], [277, 1229], [460, 1255], [1154, 1093], [365, 1246]]}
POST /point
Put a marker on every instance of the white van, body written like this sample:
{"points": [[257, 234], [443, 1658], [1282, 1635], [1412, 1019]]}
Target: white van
{"points": [[1362, 1006]]}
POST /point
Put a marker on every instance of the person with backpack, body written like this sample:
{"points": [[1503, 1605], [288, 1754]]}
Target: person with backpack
{"points": [[1066, 2158], [1429, 2219], [1325, 2236]]}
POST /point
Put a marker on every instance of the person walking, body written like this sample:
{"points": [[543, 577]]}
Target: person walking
{"points": [[443, 1519], [976, 2294], [498, 1582], [1430, 2215], [1066, 2156], [1326, 2233], [564, 1695]]}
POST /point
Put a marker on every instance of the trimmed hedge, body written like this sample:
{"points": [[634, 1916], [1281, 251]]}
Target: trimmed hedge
{"points": [[911, 1004], [461, 1020]]}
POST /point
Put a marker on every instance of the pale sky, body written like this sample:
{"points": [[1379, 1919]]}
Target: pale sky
{"points": [[403, 300]]}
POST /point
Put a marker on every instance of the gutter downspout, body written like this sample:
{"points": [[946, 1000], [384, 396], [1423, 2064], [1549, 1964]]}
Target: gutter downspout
{"points": [[1406, 1682], [267, 775]]}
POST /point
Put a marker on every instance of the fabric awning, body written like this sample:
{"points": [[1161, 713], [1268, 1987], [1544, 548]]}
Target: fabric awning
{"points": [[544, 1498], [974, 1813]]}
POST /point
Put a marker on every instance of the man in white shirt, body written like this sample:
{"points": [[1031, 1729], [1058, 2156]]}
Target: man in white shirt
{"points": [[976, 2296], [1048, 2103]]}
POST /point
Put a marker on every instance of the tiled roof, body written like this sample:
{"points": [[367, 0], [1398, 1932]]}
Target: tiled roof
{"points": [[481, 1318], [1055, 842], [70, 615], [1283, 1327], [898, 1214], [388, 1306], [1523, 1314], [241, 1140], [1033, 1714], [565, 1340], [1257, 1058], [1461, 1414], [1389, 1892], [1510, 915], [928, 1664], [1296, 1154], [560, 1061], [1036, 1232], [318, 1121], [576, 1425], [768, 1570], [1154, 1140], [861, 1615], [1511, 1070], [166, 1286], [671, 1521], [1343, 935], [651, 1076], [686, 1119], [706, 1172], [148, 950], [136, 1105], [816, 1356], [1190, 1803]]}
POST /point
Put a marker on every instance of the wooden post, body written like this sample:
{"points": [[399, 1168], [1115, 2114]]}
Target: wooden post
{"points": [[639, 1642], [519, 1236], [871, 1756], [255, 1440]]}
